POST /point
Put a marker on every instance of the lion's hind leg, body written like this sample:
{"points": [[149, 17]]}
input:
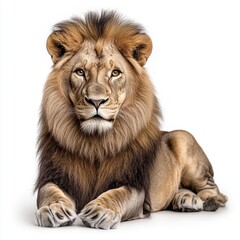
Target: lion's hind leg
{"points": [[198, 190], [199, 178], [197, 175]]}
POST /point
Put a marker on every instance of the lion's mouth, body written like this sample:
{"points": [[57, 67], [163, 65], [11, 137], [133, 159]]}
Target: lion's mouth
{"points": [[97, 117]]}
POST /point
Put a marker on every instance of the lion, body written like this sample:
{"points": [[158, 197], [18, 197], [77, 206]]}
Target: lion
{"points": [[103, 157]]}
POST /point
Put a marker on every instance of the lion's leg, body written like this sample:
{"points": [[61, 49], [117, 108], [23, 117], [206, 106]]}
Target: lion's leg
{"points": [[55, 207], [208, 191], [197, 172], [112, 207]]}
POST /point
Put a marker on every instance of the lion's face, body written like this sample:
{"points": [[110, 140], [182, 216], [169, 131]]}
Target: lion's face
{"points": [[100, 81], [100, 72]]}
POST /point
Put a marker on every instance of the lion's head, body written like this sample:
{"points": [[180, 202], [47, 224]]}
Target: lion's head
{"points": [[98, 85]]}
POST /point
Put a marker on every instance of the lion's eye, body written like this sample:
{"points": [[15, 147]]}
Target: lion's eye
{"points": [[80, 72], [116, 73]]}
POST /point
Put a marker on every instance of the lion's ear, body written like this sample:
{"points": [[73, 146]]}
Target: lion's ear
{"points": [[55, 46], [59, 43], [138, 47], [142, 48]]}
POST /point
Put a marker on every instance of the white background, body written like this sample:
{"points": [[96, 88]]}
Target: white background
{"points": [[195, 67]]}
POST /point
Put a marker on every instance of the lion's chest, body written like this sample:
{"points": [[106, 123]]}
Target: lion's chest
{"points": [[100, 176], [88, 179]]}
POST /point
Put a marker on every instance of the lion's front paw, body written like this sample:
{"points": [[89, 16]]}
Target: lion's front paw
{"points": [[55, 215], [96, 216]]}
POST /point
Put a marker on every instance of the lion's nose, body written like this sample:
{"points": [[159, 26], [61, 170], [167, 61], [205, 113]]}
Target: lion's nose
{"points": [[96, 102]]}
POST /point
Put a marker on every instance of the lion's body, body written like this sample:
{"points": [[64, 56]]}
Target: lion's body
{"points": [[102, 153]]}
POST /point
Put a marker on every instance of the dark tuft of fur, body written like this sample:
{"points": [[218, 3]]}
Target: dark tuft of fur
{"points": [[100, 21], [98, 25]]}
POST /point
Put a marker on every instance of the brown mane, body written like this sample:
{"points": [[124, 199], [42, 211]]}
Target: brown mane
{"points": [[86, 165]]}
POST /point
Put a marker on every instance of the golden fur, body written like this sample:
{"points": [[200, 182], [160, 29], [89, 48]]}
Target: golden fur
{"points": [[102, 153]]}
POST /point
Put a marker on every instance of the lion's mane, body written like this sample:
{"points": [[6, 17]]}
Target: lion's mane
{"points": [[86, 165]]}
